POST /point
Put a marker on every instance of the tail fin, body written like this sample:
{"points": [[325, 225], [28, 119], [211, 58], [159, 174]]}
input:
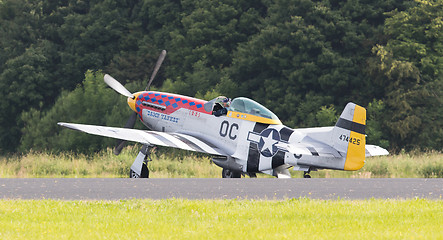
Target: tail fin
{"points": [[348, 136]]}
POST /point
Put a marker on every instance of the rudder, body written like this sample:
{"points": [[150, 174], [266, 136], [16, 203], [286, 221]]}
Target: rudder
{"points": [[349, 136]]}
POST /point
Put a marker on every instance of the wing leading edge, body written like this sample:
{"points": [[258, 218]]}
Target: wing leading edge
{"points": [[175, 140]]}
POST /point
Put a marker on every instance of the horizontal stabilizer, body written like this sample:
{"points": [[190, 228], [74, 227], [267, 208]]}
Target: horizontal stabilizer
{"points": [[373, 150]]}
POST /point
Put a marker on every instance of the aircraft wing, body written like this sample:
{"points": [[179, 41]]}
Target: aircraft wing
{"points": [[175, 140]]}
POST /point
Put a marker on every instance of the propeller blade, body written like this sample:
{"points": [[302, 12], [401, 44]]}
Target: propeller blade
{"points": [[131, 121], [118, 87], [157, 67], [119, 147], [129, 124]]}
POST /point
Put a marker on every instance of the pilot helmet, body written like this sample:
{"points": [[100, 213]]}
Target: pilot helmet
{"points": [[227, 101]]}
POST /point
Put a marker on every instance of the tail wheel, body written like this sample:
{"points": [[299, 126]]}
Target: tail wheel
{"points": [[227, 173], [252, 175]]}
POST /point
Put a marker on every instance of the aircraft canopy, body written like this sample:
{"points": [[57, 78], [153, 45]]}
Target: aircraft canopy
{"points": [[249, 106]]}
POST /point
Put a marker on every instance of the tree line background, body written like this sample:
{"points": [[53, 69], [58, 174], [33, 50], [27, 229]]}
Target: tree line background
{"points": [[303, 59]]}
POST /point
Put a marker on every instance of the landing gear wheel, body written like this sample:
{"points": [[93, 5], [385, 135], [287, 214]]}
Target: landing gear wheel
{"points": [[145, 170], [133, 174], [144, 173], [306, 175], [227, 173]]}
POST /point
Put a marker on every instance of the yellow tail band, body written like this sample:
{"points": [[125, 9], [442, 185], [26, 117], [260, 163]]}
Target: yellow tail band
{"points": [[355, 156]]}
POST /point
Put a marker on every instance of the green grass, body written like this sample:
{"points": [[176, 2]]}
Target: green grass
{"points": [[169, 163], [404, 165], [221, 219], [105, 164]]}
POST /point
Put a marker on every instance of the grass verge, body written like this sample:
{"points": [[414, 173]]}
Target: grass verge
{"points": [[403, 165], [105, 164], [221, 219], [170, 163]]}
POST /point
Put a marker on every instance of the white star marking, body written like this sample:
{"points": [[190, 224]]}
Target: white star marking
{"points": [[268, 143]]}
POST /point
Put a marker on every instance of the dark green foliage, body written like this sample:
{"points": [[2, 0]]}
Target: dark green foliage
{"points": [[90, 103], [303, 59], [202, 45], [374, 124], [326, 116], [410, 68], [307, 54]]}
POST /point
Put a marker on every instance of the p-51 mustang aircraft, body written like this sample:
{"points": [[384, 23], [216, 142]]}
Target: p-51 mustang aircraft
{"points": [[244, 138]]}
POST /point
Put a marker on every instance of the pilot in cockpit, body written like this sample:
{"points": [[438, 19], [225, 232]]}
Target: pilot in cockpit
{"points": [[221, 105]]}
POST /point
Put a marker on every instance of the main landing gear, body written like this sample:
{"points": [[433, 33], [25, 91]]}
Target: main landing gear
{"points": [[139, 168], [228, 173]]}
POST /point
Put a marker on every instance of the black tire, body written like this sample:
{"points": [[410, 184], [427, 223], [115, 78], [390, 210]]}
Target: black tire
{"points": [[227, 173], [144, 173]]}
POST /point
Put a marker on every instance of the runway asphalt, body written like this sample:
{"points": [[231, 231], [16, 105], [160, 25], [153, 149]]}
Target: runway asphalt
{"points": [[261, 188]]}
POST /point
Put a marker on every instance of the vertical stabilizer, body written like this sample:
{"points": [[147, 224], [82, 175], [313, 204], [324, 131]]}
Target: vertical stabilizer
{"points": [[348, 136]]}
